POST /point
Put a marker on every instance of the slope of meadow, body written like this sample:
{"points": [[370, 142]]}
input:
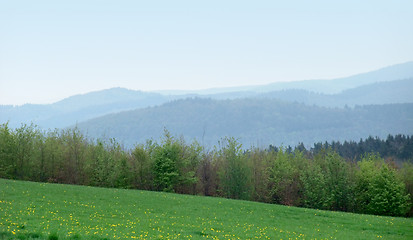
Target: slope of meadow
{"points": [[31, 210]]}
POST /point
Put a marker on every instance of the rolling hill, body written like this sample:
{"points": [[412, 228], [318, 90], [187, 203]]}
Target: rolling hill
{"points": [[80, 107], [254, 121], [389, 85], [31, 210]]}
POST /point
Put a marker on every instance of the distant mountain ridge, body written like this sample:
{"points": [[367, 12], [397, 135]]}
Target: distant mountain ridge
{"points": [[80, 107], [388, 85], [399, 91], [333, 86], [106, 97]]}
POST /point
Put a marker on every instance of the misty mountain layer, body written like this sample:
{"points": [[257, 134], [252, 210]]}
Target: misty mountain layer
{"points": [[254, 121], [376, 103]]}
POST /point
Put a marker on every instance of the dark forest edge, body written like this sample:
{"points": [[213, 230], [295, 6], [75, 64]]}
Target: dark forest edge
{"points": [[372, 176]]}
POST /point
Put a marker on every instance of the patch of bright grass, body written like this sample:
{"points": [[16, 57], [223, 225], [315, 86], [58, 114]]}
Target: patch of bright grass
{"points": [[31, 210]]}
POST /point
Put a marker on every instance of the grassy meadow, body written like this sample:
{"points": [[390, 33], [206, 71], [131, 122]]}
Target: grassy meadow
{"points": [[31, 210]]}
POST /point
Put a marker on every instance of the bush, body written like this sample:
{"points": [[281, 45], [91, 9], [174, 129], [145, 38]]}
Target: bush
{"points": [[379, 190]]}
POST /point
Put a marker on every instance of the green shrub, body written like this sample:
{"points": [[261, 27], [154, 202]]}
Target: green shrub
{"points": [[379, 190]]}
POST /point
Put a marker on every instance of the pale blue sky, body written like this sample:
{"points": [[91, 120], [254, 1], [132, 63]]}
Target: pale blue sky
{"points": [[50, 50]]}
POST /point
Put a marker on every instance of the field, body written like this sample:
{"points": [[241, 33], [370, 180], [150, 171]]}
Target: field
{"points": [[52, 211]]}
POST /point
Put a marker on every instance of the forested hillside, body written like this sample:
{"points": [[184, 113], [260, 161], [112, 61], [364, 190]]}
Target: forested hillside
{"points": [[253, 121], [319, 179]]}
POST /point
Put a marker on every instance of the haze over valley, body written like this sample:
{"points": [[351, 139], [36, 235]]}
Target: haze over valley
{"points": [[376, 103]]}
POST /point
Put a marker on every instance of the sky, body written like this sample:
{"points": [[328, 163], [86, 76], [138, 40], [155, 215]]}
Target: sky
{"points": [[50, 50]]}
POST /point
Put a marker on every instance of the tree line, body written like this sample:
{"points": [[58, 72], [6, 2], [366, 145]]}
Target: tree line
{"points": [[397, 148], [318, 178]]}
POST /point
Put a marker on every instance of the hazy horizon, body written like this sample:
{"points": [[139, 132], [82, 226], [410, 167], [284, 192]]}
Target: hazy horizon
{"points": [[52, 50]]}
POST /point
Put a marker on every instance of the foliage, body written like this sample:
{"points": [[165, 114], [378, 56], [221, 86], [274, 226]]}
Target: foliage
{"points": [[338, 182], [315, 183], [166, 158], [284, 179], [324, 180], [398, 148], [234, 173], [379, 190], [141, 166], [175, 165], [259, 163], [387, 193], [406, 173], [8, 152]]}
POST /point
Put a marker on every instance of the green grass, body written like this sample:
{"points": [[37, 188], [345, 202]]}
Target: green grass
{"points": [[52, 211]]}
